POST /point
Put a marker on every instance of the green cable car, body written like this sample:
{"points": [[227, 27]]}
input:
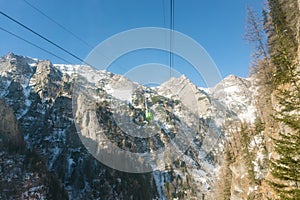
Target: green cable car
{"points": [[149, 115]]}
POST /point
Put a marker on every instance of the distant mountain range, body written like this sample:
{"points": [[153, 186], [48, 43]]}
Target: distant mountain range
{"points": [[53, 116]]}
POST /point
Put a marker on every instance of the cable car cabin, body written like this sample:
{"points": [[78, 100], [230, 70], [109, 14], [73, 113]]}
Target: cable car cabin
{"points": [[148, 115]]}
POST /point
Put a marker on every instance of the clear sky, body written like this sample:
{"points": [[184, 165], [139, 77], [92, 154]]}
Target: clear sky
{"points": [[217, 25]]}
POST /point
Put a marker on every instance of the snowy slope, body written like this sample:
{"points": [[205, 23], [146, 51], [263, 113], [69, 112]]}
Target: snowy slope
{"points": [[238, 94], [42, 95]]}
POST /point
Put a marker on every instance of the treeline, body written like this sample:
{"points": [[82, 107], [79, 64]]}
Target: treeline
{"points": [[276, 65]]}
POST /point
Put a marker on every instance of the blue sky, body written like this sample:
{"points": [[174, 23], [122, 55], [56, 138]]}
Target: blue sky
{"points": [[217, 25]]}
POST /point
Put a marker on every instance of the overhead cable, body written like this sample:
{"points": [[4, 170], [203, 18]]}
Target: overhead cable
{"points": [[44, 38], [35, 45], [57, 23]]}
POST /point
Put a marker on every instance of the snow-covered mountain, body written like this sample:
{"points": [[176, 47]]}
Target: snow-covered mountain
{"points": [[67, 115]]}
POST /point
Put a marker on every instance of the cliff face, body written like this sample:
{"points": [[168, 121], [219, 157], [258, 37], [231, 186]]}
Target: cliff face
{"points": [[298, 31], [9, 127], [65, 124], [276, 107], [41, 96]]}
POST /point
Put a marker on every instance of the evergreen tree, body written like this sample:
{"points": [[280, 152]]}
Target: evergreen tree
{"points": [[285, 168], [282, 40]]}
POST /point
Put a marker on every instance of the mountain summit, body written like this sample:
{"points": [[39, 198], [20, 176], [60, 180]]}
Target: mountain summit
{"points": [[65, 124]]}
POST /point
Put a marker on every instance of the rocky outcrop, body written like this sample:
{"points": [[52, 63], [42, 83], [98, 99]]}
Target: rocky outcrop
{"points": [[48, 104], [9, 127]]}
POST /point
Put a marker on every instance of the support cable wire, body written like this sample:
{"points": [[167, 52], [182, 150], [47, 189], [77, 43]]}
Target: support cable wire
{"points": [[164, 12], [44, 38], [65, 29], [45, 50], [35, 45], [58, 24], [171, 58], [41, 48]]}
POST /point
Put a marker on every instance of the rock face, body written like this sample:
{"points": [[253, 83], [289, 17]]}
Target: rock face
{"points": [[39, 103], [238, 94], [9, 128]]}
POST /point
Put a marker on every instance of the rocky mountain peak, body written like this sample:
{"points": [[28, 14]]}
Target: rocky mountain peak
{"points": [[45, 65], [47, 80], [10, 55], [15, 65], [182, 79], [43, 103], [175, 85], [238, 94], [233, 80], [46, 69]]}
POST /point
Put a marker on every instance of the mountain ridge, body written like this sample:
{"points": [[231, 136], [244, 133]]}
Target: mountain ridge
{"points": [[42, 96]]}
